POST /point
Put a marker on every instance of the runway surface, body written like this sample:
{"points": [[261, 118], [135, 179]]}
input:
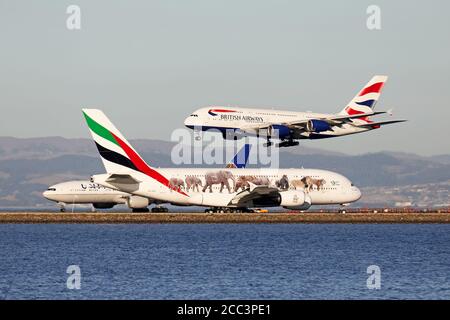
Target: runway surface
{"points": [[307, 217]]}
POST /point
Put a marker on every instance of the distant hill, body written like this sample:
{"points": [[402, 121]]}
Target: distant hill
{"points": [[29, 166]]}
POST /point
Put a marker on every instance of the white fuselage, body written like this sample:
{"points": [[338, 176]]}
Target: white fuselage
{"points": [[219, 187], [244, 119], [84, 192]]}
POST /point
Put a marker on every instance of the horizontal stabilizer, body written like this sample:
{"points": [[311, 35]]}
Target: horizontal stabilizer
{"points": [[374, 125], [355, 116]]}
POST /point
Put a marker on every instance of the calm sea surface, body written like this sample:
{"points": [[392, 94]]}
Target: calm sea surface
{"points": [[230, 261]]}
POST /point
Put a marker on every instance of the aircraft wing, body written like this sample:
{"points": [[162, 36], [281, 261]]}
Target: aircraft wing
{"points": [[252, 193], [122, 179], [333, 121]]}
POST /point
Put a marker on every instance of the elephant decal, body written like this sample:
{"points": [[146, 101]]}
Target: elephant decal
{"points": [[221, 177], [194, 183]]}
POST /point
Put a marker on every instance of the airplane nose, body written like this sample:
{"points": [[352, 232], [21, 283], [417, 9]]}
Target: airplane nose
{"points": [[48, 195], [188, 122]]}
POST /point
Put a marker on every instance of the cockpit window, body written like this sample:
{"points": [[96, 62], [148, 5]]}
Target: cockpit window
{"points": [[51, 189], [194, 115]]}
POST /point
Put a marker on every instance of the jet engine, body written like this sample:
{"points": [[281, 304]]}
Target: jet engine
{"points": [[317, 126], [280, 131], [137, 202], [294, 200], [305, 206]]}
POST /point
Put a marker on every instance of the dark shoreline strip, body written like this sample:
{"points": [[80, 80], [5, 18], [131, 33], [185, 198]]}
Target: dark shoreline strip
{"points": [[108, 218]]}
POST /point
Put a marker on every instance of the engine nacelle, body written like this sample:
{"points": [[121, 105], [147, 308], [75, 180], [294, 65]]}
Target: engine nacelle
{"points": [[292, 198], [137, 202], [279, 131], [317, 126], [104, 205], [305, 206]]}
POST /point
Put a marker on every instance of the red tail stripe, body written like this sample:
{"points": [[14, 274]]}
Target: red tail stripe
{"points": [[351, 112], [142, 166], [376, 87]]}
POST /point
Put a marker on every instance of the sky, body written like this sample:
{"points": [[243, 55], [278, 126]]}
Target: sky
{"points": [[149, 64]]}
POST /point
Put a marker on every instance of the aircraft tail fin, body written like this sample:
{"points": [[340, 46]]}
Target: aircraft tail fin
{"points": [[365, 100], [118, 156], [241, 158]]}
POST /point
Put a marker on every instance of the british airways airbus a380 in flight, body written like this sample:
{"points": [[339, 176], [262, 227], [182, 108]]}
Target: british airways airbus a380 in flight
{"points": [[290, 126]]}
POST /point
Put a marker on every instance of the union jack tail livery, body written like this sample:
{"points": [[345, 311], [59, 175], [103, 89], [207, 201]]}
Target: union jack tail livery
{"points": [[365, 100]]}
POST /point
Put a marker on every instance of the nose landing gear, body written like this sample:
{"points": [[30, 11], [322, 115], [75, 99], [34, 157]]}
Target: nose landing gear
{"points": [[62, 206]]}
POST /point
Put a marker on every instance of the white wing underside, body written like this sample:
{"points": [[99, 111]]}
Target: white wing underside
{"points": [[252, 193]]}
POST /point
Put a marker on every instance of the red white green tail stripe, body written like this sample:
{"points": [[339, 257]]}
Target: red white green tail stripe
{"points": [[117, 154]]}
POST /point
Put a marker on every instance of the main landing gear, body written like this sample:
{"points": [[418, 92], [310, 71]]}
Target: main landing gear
{"points": [[282, 144], [288, 143], [160, 209]]}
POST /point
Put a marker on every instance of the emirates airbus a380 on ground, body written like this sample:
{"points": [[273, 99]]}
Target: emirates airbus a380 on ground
{"points": [[290, 126], [222, 189]]}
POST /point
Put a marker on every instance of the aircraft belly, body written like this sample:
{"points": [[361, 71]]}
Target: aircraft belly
{"points": [[321, 197], [214, 199], [90, 198]]}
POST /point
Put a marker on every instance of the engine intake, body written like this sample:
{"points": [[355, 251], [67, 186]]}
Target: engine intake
{"points": [[295, 200], [291, 198], [317, 126]]}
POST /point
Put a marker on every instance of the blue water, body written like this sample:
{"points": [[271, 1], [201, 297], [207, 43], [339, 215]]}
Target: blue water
{"points": [[211, 261]]}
